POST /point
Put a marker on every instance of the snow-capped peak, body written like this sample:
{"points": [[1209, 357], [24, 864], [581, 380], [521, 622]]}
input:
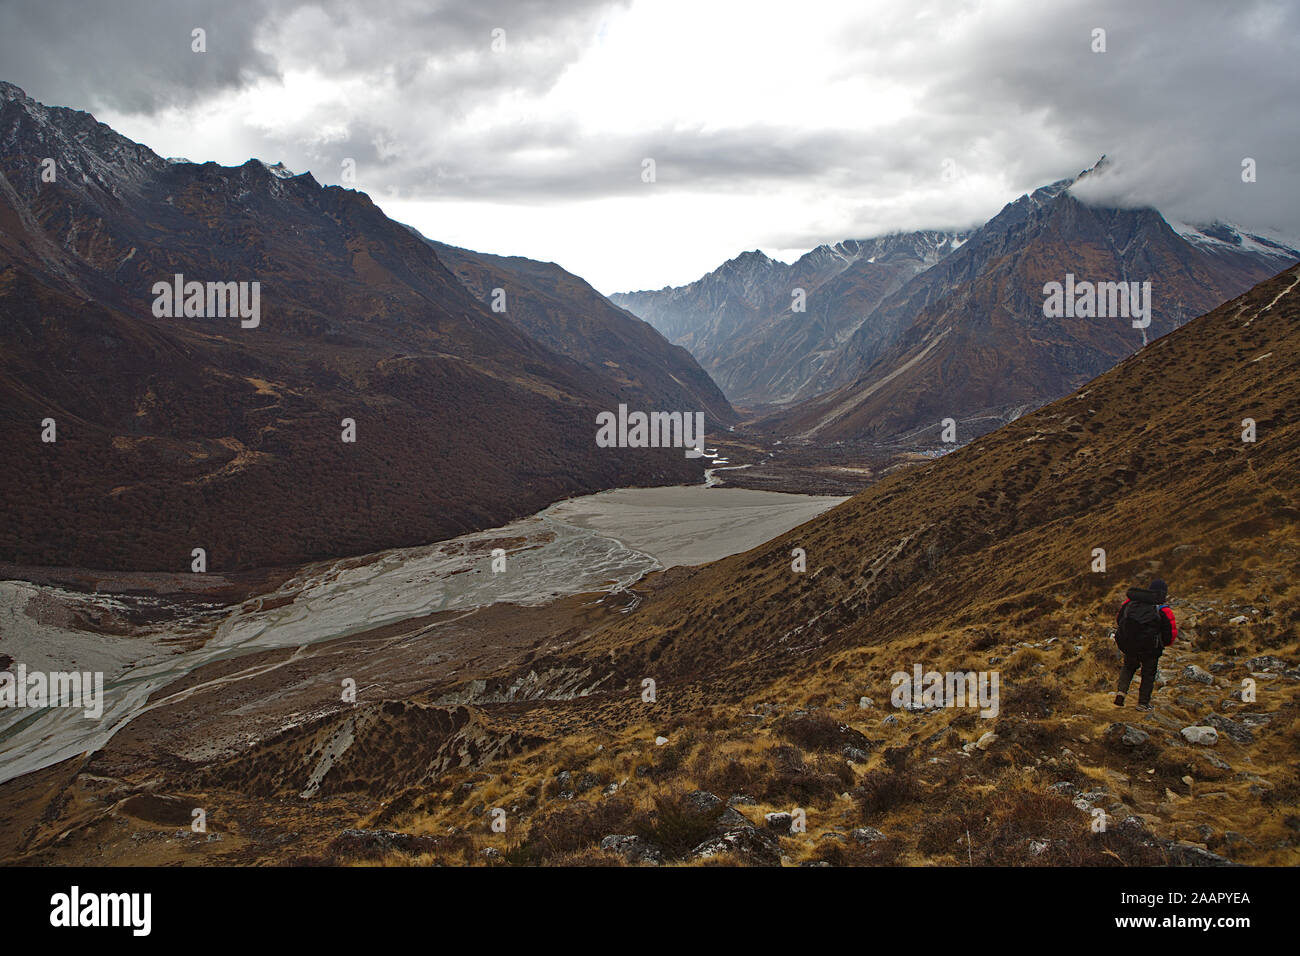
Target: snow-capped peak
{"points": [[279, 170], [1231, 236]]}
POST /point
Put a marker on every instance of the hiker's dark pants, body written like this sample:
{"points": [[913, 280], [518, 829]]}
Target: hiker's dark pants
{"points": [[1131, 664]]}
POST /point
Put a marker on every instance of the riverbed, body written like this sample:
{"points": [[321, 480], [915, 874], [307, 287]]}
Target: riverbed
{"points": [[601, 542]]}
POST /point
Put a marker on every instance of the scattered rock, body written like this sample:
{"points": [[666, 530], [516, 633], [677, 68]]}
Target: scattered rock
{"points": [[632, 848], [660, 741], [1127, 734], [1192, 672], [867, 835], [752, 846], [1238, 732], [1205, 736], [1267, 663], [379, 842], [779, 821], [889, 721], [704, 802], [1182, 853], [987, 739]]}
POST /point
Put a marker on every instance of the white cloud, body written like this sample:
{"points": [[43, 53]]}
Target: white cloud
{"points": [[773, 125]]}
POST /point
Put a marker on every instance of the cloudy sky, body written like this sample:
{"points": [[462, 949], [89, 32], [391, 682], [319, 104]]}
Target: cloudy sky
{"points": [[523, 127]]}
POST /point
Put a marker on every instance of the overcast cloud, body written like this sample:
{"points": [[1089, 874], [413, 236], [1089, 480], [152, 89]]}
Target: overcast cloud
{"points": [[773, 126]]}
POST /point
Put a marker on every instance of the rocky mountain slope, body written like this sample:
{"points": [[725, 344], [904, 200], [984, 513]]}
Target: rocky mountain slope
{"points": [[770, 734], [202, 431], [968, 338], [742, 322], [566, 314]]}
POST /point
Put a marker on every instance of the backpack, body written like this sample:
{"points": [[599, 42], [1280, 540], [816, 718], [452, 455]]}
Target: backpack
{"points": [[1142, 624]]}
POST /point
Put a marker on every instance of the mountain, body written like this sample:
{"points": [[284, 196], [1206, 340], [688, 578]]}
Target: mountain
{"points": [[226, 433], [774, 688], [968, 338], [743, 324], [566, 314]]}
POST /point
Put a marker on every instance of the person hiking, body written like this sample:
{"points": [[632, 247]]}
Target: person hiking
{"points": [[1144, 627]]}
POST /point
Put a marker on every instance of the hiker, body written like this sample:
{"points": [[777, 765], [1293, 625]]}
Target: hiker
{"points": [[1144, 627]]}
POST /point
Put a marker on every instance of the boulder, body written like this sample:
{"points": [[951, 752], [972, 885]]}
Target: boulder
{"points": [[632, 848], [745, 843], [1205, 736]]}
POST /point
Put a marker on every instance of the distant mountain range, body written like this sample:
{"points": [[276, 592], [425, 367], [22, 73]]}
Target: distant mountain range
{"points": [[176, 433], [743, 323], [931, 325]]}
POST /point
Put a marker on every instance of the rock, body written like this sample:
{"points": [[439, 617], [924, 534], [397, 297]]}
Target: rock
{"points": [[854, 754], [1192, 672], [379, 842], [987, 739], [1206, 736], [587, 781], [564, 778], [1182, 853], [1036, 847], [1132, 824], [867, 835], [567, 794], [703, 801], [1064, 788], [778, 821], [610, 789], [741, 800], [865, 703], [492, 853], [632, 848], [747, 843], [660, 741], [1267, 663], [1238, 732], [1239, 619], [1127, 734], [889, 721]]}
